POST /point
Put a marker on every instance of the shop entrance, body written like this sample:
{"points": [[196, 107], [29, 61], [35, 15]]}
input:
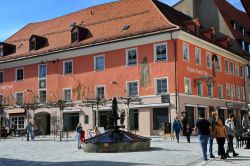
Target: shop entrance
{"points": [[42, 123], [160, 117], [190, 115], [70, 121]]}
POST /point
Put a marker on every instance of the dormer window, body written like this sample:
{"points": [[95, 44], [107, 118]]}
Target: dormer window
{"points": [[78, 33], [6, 49], [37, 42]]}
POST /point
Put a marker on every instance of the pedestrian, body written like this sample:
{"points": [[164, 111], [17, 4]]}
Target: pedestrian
{"points": [[29, 129], [229, 124], [245, 123], [187, 131], [203, 127], [177, 128], [79, 131], [220, 134], [211, 139], [184, 120]]}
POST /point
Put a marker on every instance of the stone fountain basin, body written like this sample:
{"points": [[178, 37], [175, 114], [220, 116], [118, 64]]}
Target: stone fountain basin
{"points": [[114, 142]]}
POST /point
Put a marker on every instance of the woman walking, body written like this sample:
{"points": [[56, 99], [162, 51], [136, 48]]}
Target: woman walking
{"points": [[177, 128], [79, 131], [220, 133]]}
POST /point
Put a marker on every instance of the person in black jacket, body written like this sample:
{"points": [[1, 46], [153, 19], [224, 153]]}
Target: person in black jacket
{"points": [[211, 139]]}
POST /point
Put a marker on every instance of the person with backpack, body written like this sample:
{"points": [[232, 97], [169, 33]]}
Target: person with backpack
{"points": [[177, 128], [229, 124]]}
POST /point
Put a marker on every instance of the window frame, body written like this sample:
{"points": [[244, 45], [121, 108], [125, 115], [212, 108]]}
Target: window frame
{"points": [[228, 90], [227, 66], [20, 68], [12, 117], [219, 63], [222, 95], [190, 85], [98, 56], [127, 87], [21, 92], [233, 91], [210, 58], [200, 61], [64, 97], [231, 72], [236, 70], [100, 86], [238, 92], [243, 93], [127, 60], [201, 95], [40, 71], [1, 52], [188, 53], [155, 52], [64, 65], [2, 81], [39, 96], [156, 85], [212, 92]]}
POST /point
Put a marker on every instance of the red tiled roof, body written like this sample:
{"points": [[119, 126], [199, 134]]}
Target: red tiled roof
{"points": [[230, 13], [104, 22]]}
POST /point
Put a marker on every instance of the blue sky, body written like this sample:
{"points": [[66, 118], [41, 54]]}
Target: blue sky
{"points": [[15, 14]]}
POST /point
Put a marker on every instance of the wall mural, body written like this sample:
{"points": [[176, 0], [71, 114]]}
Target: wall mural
{"points": [[215, 64], [145, 73]]}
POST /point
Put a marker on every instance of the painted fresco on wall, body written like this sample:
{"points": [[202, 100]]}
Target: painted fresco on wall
{"points": [[145, 73]]}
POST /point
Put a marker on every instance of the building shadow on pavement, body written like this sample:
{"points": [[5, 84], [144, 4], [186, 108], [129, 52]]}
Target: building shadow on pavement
{"points": [[162, 149], [15, 162]]}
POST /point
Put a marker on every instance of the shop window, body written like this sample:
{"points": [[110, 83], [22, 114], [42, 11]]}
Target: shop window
{"points": [[131, 56], [70, 121], [160, 52], [134, 119], [17, 122], [160, 117], [99, 63], [1, 100], [221, 115], [103, 115]]}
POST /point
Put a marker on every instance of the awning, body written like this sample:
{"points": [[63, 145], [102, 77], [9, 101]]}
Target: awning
{"points": [[223, 108], [150, 105], [15, 111], [76, 110]]}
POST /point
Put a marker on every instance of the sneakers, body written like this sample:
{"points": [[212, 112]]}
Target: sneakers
{"points": [[212, 156], [235, 154]]}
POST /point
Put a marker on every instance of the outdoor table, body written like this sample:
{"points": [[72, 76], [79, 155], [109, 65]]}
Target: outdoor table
{"points": [[247, 137]]}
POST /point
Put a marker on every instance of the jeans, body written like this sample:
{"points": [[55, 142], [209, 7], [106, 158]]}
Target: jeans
{"points": [[32, 137], [230, 147], [221, 142], [188, 138], [211, 141], [177, 134], [203, 139]]}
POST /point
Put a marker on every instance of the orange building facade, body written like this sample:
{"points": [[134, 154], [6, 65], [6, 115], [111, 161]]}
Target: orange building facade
{"points": [[195, 74]]}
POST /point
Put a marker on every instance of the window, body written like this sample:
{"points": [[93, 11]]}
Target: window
{"points": [[75, 36], [99, 63], [198, 56], [67, 94], [232, 68], [42, 96], [200, 88], [228, 90], [248, 48], [220, 91], [19, 74], [161, 86], [160, 52], [238, 92], [243, 93], [1, 76], [100, 92], [187, 83], [1, 52], [134, 119], [19, 98], [131, 56], [210, 91], [226, 66], [186, 51], [132, 88], [237, 70], [242, 30], [243, 44], [209, 60], [33, 44], [1, 99], [241, 71], [86, 119], [219, 63], [42, 70], [234, 24], [17, 122], [233, 91], [67, 67]]}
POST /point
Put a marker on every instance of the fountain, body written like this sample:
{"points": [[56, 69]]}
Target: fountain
{"points": [[116, 140]]}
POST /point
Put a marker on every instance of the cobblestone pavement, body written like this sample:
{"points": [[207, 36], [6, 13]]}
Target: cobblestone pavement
{"points": [[46, 152]]}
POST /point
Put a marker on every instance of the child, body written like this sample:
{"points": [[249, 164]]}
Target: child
{"points": [[188, 132]]}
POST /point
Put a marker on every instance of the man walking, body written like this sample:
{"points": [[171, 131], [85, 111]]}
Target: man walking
{"points": [[203, 127], [211, 139], [177, 128], [229, 124]]}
